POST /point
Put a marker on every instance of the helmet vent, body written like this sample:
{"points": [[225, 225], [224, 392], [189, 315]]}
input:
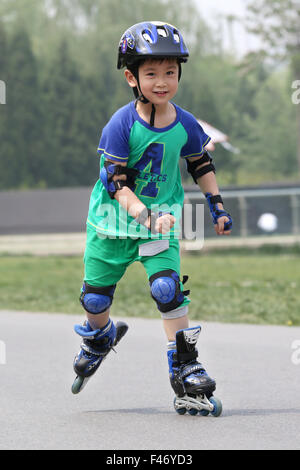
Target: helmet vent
{"points": [[162, 32], [176, 37], [147, 37]]}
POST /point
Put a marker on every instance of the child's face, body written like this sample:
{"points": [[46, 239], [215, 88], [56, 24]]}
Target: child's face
{"points": [[159, 80]]}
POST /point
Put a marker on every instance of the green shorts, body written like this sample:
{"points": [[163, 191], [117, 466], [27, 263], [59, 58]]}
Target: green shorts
{"points": [[106, 260]]}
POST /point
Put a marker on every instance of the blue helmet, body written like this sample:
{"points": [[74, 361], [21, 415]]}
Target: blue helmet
{"points": [[151, 39]]}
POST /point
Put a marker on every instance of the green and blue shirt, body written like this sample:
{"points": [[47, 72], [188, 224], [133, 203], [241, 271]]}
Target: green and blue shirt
{"points": [[155, 153]]}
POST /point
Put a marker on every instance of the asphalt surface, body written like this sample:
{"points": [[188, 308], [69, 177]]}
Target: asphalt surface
{"points": [[128, 404]]}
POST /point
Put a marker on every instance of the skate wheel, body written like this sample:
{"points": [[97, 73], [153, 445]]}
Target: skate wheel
{"points": [[180, 411], [217, 406], [77, 384], [204, 413], [192, 412]]}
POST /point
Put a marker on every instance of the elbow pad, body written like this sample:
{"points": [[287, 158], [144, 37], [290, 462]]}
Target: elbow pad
{"points": [[110, 170], [197, 173]]}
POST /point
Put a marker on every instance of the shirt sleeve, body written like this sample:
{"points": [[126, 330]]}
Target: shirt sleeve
{"points": [[114, 141], [197, 139]]}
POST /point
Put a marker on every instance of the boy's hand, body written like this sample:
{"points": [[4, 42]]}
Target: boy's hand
{"points": [[219, 227], [165, 223], [219, 216], [162, 224]]}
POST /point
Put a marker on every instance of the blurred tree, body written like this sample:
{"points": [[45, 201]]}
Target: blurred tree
{"points": [[3, 51], [269, 147], [58, 58], [59, 96], [3, 108], [277, 23], [22, 144], [30, 14]]}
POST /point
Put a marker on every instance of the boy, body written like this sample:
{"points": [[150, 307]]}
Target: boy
{"points": [[140, 149]]}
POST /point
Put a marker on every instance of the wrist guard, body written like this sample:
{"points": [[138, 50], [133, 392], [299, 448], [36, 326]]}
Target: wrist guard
{"points": [[217, 213]]}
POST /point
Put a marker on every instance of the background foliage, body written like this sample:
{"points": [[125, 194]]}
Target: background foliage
{"points": [[257, 287], [58, 60]]}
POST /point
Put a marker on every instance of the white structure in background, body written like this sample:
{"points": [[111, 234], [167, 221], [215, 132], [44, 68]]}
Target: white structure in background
{"points": [[217, 137], [268, 222]]}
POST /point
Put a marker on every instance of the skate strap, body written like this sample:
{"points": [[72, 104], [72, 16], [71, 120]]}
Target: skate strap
{"points": [[191, 368], [188, 356], [90, 350], [86, 331]]}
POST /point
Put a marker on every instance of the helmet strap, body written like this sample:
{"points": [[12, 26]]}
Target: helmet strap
{"points": [[140, 97], [152, 118]]}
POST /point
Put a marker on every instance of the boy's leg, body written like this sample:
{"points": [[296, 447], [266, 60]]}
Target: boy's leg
{"points": [[187, 376], [173, 325], [98, 321], [163, 270], [104, 264], [103, 269]]}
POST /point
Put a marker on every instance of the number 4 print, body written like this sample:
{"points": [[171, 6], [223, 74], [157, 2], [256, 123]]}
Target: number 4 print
{"points": [[151, 161]]}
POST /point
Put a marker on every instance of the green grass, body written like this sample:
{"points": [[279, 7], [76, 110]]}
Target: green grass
{"points": [[227, 287]]}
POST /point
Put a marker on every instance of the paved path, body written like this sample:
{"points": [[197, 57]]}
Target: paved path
{"points": [[128, 404]]}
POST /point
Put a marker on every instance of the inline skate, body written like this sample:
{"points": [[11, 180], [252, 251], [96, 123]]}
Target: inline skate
{"points": [[95, 347], [190, 381]]}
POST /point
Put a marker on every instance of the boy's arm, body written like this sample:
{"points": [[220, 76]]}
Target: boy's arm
{"points": [[208, 185], [135, 208]]}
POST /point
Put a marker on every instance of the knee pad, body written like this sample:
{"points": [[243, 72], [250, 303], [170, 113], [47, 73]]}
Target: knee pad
{"points": [[96, 300], [166, 290]]}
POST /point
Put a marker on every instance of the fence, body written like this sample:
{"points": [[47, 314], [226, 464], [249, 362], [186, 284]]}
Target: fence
{"points": [[53, 221], [255, 212]]}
